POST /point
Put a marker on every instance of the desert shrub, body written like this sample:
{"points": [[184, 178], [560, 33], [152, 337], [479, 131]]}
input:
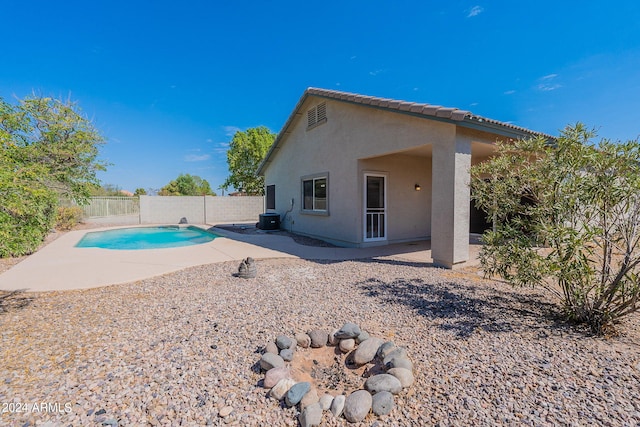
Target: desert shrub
{"points": [[579, 237], [68, 217], [26, 216], [48, 150]]}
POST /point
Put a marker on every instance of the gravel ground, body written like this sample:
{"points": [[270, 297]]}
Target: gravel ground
{"points": [[182, 349]]}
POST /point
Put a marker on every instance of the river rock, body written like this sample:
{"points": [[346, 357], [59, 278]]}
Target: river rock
{"points": [[325, 401], [398, 352], [309, 398], [279, 391], [311, 415], [296, 393], [272, 348], [405, 376], [247, 268], [382, 403], [385, 349], [383, 382], [287, 354], [303, 340], [347, 345], [269, 361], [366, 351], [283, 342], [349, 330], [319, 338], [364, 335], [357, 405], [274, 375], [399, 362], [333, 340], [337, 406]]}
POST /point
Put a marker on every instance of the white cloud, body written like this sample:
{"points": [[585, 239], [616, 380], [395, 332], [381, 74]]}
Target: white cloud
{"points": [[231, 130], [196, 157], [221, 147], [547, 83], [475, 11], [549, 87], [510, 92], [376, 72]]}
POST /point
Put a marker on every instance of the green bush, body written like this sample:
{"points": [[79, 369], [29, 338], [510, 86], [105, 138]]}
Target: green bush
{"points": [[68, 217], [578, 237], [26, 217]]}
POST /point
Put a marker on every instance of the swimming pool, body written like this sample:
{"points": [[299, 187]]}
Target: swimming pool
{"points": [[146, 238]]}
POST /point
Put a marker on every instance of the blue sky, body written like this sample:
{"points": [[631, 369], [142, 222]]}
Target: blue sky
{"points": [[168, 82]]}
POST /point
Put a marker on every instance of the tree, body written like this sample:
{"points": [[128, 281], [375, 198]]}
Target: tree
{"points": [[55, 136], [106, 190], [48, 150], [140, 192], [578, 234], [246, 151], [187, 185]]}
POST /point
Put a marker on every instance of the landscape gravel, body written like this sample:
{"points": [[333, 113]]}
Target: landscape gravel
{"points": [[184, 349]]}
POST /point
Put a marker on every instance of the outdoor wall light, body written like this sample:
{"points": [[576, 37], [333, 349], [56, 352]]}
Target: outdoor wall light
{"points": [[417, 187]]}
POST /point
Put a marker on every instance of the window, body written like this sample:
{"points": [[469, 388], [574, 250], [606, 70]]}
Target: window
{"points": [[317, 115], [314, 194], [271, 196]]}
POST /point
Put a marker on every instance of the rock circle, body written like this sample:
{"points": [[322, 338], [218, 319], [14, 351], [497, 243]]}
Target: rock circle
{"points": [[391, 374]]}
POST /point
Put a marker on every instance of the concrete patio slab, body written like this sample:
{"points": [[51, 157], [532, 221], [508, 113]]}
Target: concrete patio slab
{"points": [[61, 266]]}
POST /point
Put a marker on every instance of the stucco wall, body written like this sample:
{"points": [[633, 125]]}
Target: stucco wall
{"points": [[169, 210], [408, 210], [354, 133]]}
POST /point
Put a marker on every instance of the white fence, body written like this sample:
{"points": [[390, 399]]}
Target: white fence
{"points": [[171, 209], [111, 206]]}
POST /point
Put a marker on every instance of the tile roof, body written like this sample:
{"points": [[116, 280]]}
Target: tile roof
{"points": [[420, 109], [435, 112]]}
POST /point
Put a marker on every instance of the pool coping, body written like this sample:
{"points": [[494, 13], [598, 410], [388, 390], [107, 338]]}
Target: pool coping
{"points": [[61, 266]]}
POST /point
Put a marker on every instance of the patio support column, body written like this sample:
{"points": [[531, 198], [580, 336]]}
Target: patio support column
{"points": [[450, 208]]}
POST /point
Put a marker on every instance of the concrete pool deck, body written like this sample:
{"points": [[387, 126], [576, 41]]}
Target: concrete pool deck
{"points": [[61, 266]]}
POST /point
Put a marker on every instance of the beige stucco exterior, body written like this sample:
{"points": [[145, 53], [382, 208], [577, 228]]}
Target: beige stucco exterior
{"points": [[406, 149]]}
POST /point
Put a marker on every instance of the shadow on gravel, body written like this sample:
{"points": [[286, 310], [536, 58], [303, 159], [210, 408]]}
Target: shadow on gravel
{"points": [[464, 308], [13, 300]]}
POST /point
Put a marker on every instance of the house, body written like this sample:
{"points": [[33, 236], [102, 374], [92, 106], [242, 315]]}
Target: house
{"points": [[358, 170]]}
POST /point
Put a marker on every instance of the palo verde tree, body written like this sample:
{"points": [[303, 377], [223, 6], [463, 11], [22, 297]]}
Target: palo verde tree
{"points": [[566, 218], [246, 151], [48, 150]]}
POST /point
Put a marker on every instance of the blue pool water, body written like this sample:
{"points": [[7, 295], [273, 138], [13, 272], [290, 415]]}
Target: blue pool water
{"points": [[146, 238]]}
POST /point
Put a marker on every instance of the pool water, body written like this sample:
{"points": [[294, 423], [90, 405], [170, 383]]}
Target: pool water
{"points": [[146, 238]]}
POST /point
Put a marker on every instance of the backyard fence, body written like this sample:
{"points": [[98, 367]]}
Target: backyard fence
{"points": [[111, 206], [171, 209]]}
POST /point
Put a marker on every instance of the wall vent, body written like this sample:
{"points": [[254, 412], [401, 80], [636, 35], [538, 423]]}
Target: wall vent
{"points": [[317, 115]]}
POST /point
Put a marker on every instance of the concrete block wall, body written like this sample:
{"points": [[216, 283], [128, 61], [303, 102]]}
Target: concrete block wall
{"points": [[169, 210], [200, 209], [234, 209]]}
